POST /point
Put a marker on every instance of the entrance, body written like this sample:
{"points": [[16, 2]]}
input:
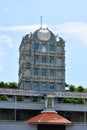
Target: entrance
{"points": [[50, 127]]}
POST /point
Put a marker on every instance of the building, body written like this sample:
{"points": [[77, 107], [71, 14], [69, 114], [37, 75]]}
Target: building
{"points": [[42, 61], [42, 88]]}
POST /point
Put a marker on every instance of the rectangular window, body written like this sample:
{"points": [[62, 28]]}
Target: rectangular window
{"points": [[52, 48], [52, 73], [52, 60], [36, 46], [36, 86], [43, 86], [36, 59], [43, 48], [24, 45], [23, 56], [44, 72], [43, 59], [36, 72], [51, 86]]}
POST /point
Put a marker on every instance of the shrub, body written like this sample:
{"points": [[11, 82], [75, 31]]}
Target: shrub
{"points": [[35, 99], [73, 100], [4, 97], [19, 98]]}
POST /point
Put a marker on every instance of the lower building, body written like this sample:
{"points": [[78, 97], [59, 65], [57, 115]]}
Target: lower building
{"points": [[22, 105]]}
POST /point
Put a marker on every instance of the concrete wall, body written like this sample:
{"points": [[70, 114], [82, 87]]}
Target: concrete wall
{"points": [[16, 126], [40, 105], [77, 127], [23, 126]]}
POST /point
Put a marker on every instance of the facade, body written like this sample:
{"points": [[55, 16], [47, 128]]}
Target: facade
{"points": [[41, 75], [42, 61]]}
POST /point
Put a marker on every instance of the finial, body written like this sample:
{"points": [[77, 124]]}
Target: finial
{"points": [[41, 21]]}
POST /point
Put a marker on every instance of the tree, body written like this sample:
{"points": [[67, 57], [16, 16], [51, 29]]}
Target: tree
{"points": [[80, 89], [2, 85], [8, 85], [12, 85], [72, 88]]}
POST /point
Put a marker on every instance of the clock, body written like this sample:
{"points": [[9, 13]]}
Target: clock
{"points": [[43, 34]]}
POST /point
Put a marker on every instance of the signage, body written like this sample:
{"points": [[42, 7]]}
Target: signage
{"points": [[42, 93]]}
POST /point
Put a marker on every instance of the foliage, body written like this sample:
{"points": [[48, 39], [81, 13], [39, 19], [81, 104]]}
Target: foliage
{"points": [[19, 98], [73, 100], [4, 97], [66, 100], [79, 88], [72, 88], [34, 99], [8, 85]]}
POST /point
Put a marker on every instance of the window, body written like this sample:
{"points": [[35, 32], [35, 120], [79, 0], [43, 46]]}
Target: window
{"points": [[44, 72], [36, 46], [23, 56], [43, 59], [51, 86], [52, 48], [52, 60], [49, 103], [36, 72], [43, 86], [51, 72], [36, 59], [24, 45], [36, 86], [43, 47]]}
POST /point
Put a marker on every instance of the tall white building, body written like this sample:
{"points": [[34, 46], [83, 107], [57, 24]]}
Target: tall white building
{"points": [[42, 61]]}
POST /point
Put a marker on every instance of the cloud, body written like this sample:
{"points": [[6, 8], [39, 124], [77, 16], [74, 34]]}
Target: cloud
{"points": [[4, 39], [20, 28], [75, 29]]}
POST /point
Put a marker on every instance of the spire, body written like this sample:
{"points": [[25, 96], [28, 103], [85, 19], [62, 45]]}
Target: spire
{"points": [[41, 21]]}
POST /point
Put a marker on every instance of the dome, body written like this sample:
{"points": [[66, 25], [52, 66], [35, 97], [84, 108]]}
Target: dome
{"points": [[43, 34]]}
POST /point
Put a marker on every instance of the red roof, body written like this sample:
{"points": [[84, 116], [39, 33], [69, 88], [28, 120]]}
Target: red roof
{"points": [[48, 118]]}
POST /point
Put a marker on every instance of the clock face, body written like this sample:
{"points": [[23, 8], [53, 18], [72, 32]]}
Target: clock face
{"points": [[43, 34]]}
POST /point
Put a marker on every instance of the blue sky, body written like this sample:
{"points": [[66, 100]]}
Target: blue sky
{"points": [[67, 18]]}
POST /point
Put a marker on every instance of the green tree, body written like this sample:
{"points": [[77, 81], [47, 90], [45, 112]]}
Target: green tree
{"points": [[72, 88], [2, 85], [80, 89], [12, 85]]}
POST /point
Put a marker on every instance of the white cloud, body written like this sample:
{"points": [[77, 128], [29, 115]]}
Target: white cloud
{"points": [[6, 40], [20, 28], [77, 30]]}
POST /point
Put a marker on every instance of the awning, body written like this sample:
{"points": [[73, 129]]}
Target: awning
{"points": [[48, 118]]}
